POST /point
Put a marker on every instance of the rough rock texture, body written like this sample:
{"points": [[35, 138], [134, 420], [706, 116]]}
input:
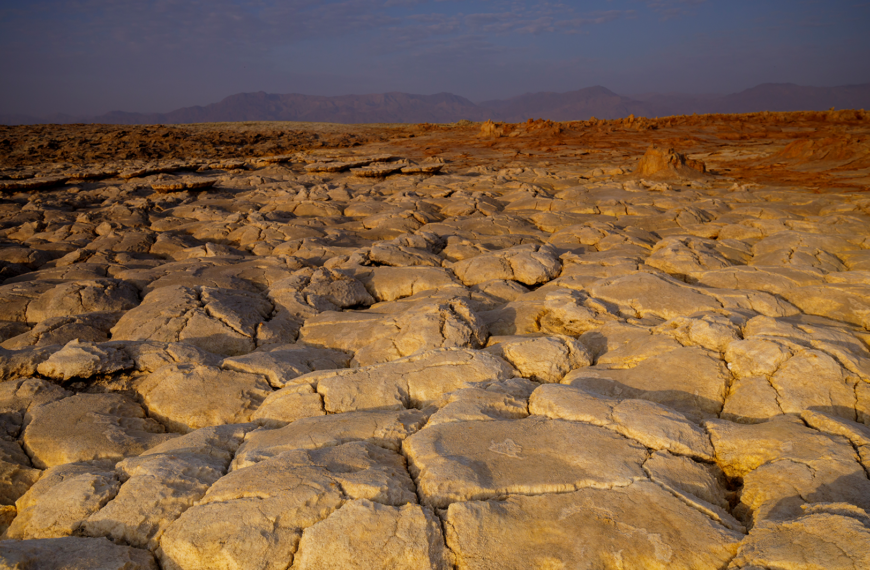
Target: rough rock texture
{"points": [[71, 553], [89, 426], [538, 346], [188, 397], [635, 526], [668, 163], [362, 534], [253, 517]]}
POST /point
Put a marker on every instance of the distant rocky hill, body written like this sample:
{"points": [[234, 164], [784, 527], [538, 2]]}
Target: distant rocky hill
{"points": [[447, 108], [376, 108]]}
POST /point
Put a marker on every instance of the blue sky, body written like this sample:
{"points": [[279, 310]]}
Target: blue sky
{"points": [[93, 56]]}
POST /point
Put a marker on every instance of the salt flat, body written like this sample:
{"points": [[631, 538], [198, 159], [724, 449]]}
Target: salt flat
{"points": [[641, 343]]}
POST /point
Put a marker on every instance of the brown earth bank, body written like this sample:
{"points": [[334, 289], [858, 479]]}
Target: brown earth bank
{"points": [[816, 150], [641, 343]]}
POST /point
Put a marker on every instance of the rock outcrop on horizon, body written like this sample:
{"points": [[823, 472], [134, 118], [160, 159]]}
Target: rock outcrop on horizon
{"points": [[602, 344]]}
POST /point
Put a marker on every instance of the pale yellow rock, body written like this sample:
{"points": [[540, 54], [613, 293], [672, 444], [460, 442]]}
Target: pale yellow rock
{"points": [[638, 526], [690, 380], [289, 404], [64, 497], [751, 400], [661, 428], [463, 461], [530, 265], [504, 400], [391, 283], [775, 280], [680, 255], [785, 465], [162, 483], [813, 380], [543, 359], [218, 320], [186, 397], [559, 401], [646, 294], [382, 338], [283, 364], [78, 297], [149, 355], [89, 426], [332, 290], [253, 517], [710, 331], [73, 553], [703, 480], [840, 302], [694, 484], [856, 433], [653, 425], [813, 542], [387, 429], [413, 381], [756, 357], [366, 535], [620, 345], [83, 360]]}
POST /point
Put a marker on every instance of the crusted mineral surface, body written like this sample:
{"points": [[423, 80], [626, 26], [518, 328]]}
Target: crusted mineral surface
{"points": [[603, 344]]}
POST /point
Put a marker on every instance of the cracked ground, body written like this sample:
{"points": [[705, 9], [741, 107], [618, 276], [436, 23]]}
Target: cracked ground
{"points": [[472, 346]]}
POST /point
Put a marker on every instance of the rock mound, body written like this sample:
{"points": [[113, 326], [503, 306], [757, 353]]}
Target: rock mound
{"points": [[664, 163]]}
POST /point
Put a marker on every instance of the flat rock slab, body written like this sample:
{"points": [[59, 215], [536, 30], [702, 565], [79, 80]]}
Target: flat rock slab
{"points": [[412, 381], [282, 365], [785, 466], [465, 461], [84, 360], [89, 426], [647, 294], [253, 517], [690, 380], [376, 338], [365, 535], [543, 359], [221, 321], [79, 297], [650, 424], [63, 498], [639, 526], [386, 429], [162, 483], [528, 265], [822, 540], [187, 397]]}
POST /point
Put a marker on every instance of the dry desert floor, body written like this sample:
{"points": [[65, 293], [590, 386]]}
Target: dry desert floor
{"points": [[629, 344]]}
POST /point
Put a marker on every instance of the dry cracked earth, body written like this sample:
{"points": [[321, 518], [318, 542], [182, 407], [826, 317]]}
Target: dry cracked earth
{"points": [[534, 346]]}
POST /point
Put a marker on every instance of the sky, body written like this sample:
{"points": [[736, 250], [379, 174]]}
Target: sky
{"points": [[87, 57]]}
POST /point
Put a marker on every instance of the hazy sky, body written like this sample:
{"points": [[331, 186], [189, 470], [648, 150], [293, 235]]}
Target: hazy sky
{"points": [[94, 56]]}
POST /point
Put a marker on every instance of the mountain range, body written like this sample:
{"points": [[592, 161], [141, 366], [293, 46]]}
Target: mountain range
{"points": [[397, 107]]}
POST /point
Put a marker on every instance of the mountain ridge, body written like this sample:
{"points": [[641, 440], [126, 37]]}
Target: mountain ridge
{"points": [[398, 107]]}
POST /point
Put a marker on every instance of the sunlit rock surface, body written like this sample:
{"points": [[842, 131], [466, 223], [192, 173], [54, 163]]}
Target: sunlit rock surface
{"points": [[599, 344]]}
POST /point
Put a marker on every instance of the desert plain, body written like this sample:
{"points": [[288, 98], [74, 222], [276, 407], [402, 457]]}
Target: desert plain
{"points": [[625, 344]]}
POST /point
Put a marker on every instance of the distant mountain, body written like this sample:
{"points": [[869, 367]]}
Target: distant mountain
{"points": [[574, 105], [378, 108], [447, 108], [791, 97]]}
